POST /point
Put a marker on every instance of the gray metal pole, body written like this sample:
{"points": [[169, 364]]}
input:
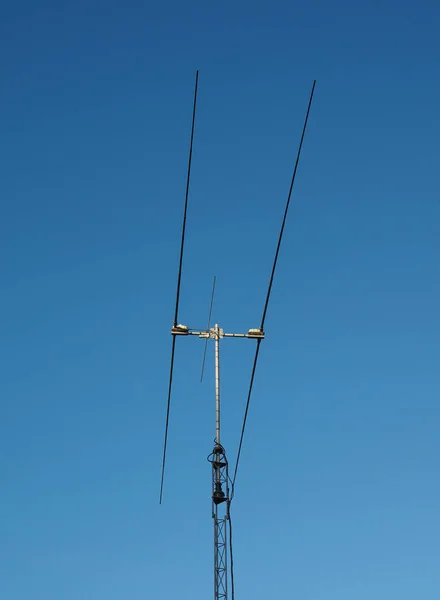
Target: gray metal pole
{"points": [[217, 384]]}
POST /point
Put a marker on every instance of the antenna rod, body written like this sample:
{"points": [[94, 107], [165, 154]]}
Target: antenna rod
{"points": [[179, 279], [188, 177], [286, 210], [269, 290], [209, 325]]}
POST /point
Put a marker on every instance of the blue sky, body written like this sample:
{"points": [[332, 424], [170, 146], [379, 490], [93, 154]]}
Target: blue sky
{"points": [[338, 492]]}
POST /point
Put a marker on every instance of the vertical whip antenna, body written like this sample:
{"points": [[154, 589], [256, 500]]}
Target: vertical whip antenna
{"points": [[209, 325], [179, 280]]}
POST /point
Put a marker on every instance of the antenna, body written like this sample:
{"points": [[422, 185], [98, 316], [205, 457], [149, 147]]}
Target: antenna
{"points": [[209, 324], [222, 492], [272, 275], [179, 279]]}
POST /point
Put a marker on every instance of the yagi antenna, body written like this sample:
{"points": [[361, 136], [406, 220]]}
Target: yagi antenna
{"points": [[222, 485]]}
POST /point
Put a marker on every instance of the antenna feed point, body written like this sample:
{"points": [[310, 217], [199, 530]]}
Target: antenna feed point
{"points": [[179, 330], [256, 333]]}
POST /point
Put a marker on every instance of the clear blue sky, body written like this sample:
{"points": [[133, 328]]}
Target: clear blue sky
{"points": [[338, 492]]}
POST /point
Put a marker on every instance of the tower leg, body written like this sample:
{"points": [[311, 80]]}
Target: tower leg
{"points": [[220, 501]]}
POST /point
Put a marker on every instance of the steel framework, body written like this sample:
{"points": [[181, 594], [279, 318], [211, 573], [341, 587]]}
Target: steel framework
{"points": [[220, 514]]}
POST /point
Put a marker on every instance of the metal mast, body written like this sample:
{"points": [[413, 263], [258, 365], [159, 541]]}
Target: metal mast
{"points": [[220, 487], [220, 477]]}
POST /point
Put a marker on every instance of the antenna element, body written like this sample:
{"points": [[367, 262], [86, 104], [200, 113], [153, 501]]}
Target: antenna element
{"points": [[179, 279]]}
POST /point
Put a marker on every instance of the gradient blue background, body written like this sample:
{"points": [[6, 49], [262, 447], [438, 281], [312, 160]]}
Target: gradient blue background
{"points": [[338, 493]]}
